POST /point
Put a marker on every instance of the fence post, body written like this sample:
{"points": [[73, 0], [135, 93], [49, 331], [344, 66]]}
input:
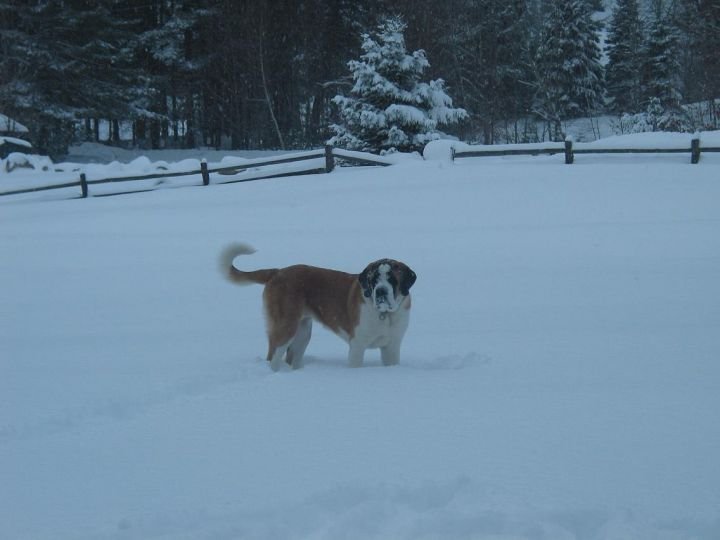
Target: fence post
{"points": [[329, 159], [695, 151], [204, 172], [569, 156], [83, 185]]}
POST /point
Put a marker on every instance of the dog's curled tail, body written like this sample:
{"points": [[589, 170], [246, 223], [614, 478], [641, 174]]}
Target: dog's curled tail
{"points": [[232, 274]]}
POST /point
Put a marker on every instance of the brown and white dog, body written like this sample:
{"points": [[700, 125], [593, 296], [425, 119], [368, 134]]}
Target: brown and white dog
{"points": [[369, 310]]}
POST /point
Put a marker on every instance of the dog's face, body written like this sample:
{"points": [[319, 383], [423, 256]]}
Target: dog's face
{"points": [[387, 283]]}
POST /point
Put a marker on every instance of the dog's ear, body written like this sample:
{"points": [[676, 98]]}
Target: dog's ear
{"points": [[408, 278], [364, 279]]}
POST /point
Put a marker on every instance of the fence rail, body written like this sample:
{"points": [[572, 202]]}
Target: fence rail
{"points": [[570, 150], [329, 155]]}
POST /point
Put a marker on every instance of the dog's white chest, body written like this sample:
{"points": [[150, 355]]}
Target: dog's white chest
{"points": [[378, 330]]}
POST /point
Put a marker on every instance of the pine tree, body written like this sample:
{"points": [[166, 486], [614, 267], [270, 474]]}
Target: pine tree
{"points": [[489, 52], [568, 70], [390, 108], [67, 61], [661, 74], [699, 21], [102, 63], [172, 55], [623, 67], [20, 53], [319, 61]]}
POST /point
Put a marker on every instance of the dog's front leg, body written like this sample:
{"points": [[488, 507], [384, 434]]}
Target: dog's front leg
{"points": [[391, 354], [356, 355]]}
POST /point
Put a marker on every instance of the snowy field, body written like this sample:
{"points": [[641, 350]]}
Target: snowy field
{"points": [[560, 378]]}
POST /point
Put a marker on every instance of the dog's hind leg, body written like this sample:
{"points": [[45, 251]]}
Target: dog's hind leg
{"points": [[276, 353], [283, 317], [299, 344], [280, 337], [291, 336]]}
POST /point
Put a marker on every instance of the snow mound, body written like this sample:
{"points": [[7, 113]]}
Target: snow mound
{"points": [[441, 150]]}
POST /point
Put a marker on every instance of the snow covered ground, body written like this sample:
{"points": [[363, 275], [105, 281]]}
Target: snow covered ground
{"points": [[560, 378]]}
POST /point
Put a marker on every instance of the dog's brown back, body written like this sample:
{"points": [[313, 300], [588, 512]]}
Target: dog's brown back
{"points": [[298, 289], [330, 296]]}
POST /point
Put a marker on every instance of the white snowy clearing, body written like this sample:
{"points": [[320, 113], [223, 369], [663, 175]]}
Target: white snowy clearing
{"points": [[560, 378]]}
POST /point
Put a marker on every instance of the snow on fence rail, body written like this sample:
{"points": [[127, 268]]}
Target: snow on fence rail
{"points": [[295, 164], [570, 149]]}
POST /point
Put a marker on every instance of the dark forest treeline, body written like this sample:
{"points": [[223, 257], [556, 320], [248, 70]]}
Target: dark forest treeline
{"points": [[262, 74]]}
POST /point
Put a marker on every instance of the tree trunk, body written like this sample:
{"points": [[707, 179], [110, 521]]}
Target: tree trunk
{"points": [[267, 96]]}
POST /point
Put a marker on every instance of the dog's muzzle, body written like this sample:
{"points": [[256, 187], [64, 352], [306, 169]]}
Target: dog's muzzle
{"points": [[384, 299]]}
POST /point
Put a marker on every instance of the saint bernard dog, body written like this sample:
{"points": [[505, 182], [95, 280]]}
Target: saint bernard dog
{"points": [[369, 310]]}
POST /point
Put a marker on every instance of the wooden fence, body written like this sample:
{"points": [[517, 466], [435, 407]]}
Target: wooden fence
{"points": [[257, 169], [570, 150], [254, 168]]}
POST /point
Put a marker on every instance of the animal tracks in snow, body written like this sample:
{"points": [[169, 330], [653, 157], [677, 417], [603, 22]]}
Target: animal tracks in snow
{"points": [[124, 408]]}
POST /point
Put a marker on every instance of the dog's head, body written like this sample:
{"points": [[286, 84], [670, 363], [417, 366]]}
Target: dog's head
{"points": [[387, 283]]}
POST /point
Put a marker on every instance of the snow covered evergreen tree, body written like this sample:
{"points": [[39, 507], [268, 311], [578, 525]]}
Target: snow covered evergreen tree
{"points": [[62, 62], [390, 108], [661, 75], [623, 68], [173, 56], [568, 71]]}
